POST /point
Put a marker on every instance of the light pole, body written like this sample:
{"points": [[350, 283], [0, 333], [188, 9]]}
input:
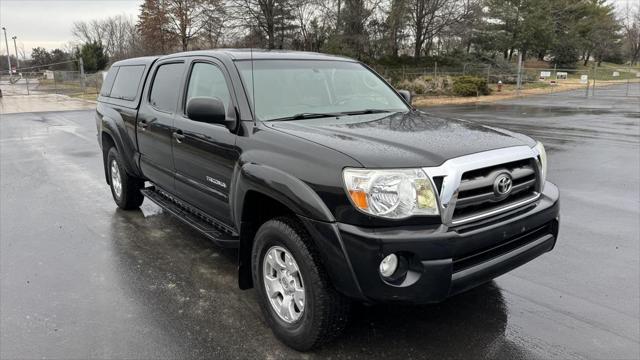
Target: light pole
{"points": [[6, 42], [15, 47]]}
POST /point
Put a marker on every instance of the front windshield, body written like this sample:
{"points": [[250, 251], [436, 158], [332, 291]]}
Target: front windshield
{"points": [[287, 88]]}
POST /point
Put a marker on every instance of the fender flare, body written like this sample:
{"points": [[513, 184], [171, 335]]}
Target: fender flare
{"points": [[310, 209], [287, 189], [290, 191], [122, 143]]}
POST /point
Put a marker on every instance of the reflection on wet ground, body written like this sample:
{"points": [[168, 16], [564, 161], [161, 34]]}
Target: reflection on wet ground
{"points": [[186, 281], [80, 279]]}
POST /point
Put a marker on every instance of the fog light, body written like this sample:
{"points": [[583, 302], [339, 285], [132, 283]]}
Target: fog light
{"points": [[388, 265]]}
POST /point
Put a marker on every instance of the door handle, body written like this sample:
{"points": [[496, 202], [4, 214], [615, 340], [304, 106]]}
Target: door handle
{"points": [[178, 135], [142, 124]]}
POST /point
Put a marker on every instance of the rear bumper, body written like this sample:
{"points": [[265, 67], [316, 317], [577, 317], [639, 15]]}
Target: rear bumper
{"points": [[442, 261]]}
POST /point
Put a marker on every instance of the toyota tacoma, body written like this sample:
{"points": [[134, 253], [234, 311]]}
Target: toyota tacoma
{"points": [[330, 184]]}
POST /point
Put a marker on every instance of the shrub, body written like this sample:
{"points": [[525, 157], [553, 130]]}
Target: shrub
{"points": [[417, 86], [470, 86]]}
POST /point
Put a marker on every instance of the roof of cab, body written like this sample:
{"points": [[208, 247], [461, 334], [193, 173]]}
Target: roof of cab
{"points": [[136, 61], [238, 54], [261, 54]]}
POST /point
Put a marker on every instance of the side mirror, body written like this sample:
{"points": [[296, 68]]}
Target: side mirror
{"points": [[406, 95], [208, 110]]}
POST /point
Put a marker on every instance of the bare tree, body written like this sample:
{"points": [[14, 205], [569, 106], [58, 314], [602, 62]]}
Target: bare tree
{"points": [[214, 26], [87, 31], [332, 11], [188, 18], [312, 24], [121, 37], [430, 17], [272, 17], [631, 31], [305, 12], [117, 34], [369, 29]]}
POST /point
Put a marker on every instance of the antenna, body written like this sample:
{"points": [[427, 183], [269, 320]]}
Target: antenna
{"points": [[253, 89]]}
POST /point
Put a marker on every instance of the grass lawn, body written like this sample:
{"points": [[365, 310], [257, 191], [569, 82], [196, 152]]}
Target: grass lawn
{"points": [[509, 91]]}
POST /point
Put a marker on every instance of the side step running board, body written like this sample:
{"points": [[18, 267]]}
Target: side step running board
{"points": [[208, 226]]}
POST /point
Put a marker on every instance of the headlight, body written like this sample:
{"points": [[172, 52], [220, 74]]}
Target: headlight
{"points": [[543, 160], [394, 194]]}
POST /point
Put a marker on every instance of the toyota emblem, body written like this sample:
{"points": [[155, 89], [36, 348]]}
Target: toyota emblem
{"points": [[502, 185]]}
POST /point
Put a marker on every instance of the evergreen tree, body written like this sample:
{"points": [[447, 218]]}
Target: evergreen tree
{"points": [[93, 57]]}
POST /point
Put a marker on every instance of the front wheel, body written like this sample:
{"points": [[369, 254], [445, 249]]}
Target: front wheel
{"points": [[296, 296], [124, 187]]}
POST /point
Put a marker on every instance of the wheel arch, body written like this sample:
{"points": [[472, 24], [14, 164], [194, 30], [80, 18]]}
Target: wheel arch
{"points": [[257, 187], [111, 136], [261, 187], [106, 143], [287, 189]]}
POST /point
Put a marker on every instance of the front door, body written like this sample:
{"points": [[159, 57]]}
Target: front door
{"points": [[156, 123], [205, 154]]}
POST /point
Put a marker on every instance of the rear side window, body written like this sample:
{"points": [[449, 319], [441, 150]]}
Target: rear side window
{"points": [[127, 82], [164, 90], [107, 84]]}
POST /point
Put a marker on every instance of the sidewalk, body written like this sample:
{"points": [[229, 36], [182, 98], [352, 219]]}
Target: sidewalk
{"points": [[38, 103]]}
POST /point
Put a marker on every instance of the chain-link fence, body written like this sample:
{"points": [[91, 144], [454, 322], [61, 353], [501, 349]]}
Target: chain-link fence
{"points": [[70, 83], [623, 81], [48, 79], [432, 81]]}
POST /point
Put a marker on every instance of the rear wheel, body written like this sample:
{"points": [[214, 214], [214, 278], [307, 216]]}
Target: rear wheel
{"points": [[296, 296], [124, 187]]}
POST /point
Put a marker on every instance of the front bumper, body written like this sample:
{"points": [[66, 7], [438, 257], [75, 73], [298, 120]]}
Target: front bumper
{"points": [[443, 261]]}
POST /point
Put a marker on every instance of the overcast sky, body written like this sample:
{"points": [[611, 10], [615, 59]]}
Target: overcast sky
{"points": [[47, 23]]}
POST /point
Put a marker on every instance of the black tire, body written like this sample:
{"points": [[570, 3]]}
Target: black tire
{"points": [[325, 312], [129, 196]]}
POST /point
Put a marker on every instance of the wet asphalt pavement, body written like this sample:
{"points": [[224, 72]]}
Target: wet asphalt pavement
{"points": [[81, 279]]}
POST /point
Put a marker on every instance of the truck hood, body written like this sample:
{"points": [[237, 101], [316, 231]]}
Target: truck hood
{"points": [[394, 140]]}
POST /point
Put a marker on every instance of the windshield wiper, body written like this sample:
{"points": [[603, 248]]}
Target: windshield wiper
{"points": [[313, 115], [365, 111], [308, 115]]}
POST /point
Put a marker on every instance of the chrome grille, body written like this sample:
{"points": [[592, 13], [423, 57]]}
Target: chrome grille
{"points": [[476, 194], [475, 171]]}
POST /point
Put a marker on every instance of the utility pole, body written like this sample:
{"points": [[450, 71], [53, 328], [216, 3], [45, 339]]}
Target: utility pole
{"points": [[15, 47], [435, 71], [488, 74], [82, 74], [628, 79], [6, 42], [519, 81], [587, 92], [595, 73]]}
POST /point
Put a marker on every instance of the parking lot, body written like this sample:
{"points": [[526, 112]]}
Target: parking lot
{"points": [[82, 279]]}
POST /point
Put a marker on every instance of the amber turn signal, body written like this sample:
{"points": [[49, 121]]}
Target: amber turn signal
{"points": [[359, 199]]}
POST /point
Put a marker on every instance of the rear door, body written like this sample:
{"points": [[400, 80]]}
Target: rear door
{"points": [[205, 154], [156, 122]]}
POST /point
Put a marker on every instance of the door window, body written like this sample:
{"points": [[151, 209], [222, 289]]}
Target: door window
{"points": [[208, 80], [164, 91]]}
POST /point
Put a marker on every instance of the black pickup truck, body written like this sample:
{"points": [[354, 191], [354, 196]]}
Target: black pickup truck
{"points": [[331, 185]]}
